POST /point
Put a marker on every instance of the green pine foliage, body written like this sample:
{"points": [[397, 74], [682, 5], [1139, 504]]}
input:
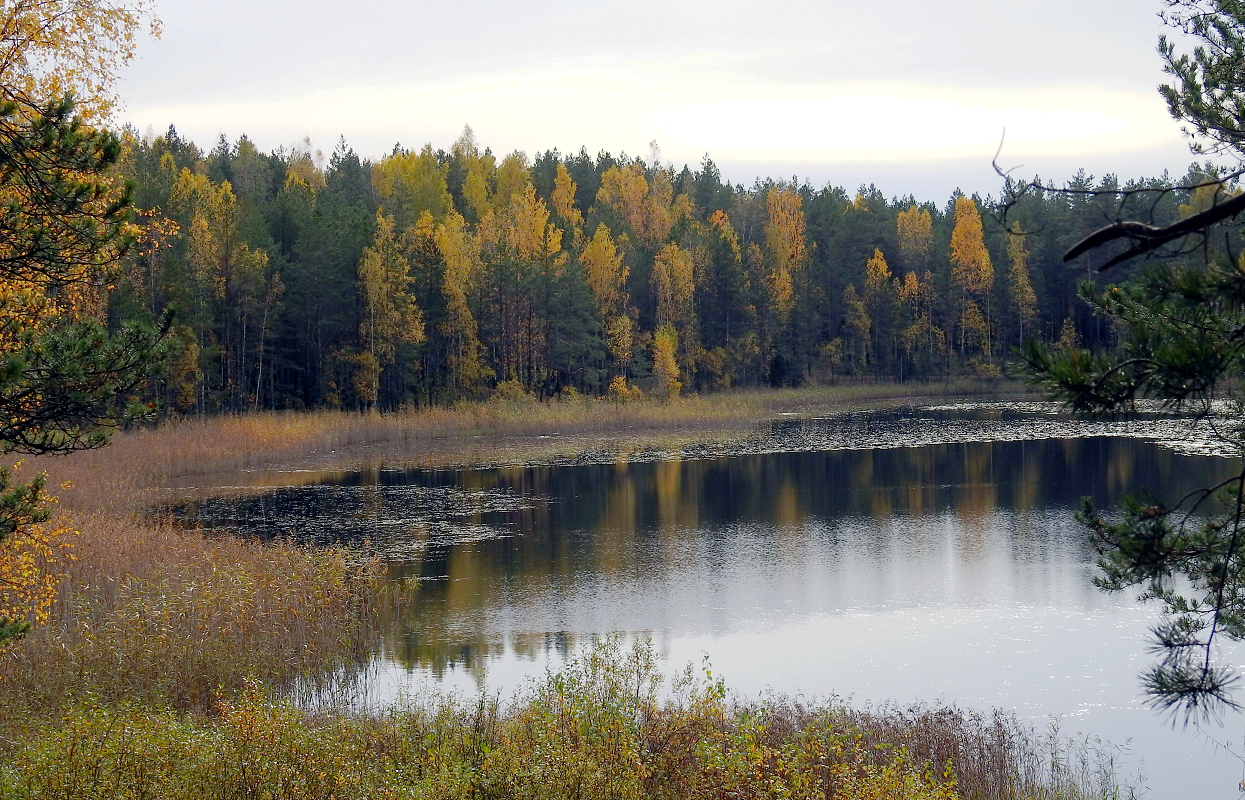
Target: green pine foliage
{"points": [[296, 345], [65, 374], [1179, 328]]}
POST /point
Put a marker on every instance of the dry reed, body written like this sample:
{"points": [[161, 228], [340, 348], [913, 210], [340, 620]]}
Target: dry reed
{"points": [[152, 616], [113, 478], [147, 681], [601, 728]]}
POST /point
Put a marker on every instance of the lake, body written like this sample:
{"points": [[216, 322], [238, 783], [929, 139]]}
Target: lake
{"points": [[923, 553]]}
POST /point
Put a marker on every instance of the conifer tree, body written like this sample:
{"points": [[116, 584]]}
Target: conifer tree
{"points": [[63, 232], [1179, 323]]}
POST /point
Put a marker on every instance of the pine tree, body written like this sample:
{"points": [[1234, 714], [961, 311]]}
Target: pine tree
{"points": [[62, 235]]}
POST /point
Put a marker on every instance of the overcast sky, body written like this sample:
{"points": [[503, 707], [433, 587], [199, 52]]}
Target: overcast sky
{"points": [[912, 96]]}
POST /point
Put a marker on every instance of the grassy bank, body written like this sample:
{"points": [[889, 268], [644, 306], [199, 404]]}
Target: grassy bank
{"points": [[113, 478], [601, 728], [170, 663]]}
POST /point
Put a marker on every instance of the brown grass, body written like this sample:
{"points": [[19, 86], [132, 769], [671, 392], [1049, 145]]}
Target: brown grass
{"points": [[150, 615], [115, 478], [154, 629], [602, 729]]}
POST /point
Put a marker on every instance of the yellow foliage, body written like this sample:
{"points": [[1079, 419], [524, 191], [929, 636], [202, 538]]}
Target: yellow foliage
{"points": [[877, 274], [1203, 197], [390, 313], [619, 337], [621, 392], [658, 217], [924, 334], [973, 327], [784, 239], [525, 227], [306, 165], [218, 257], [909, 289], [52, 47], [481, 172], [513, 178], [1069, 339], [33, 560], [1021, 289], [665, 368], [461, 253], [623, 190], [606, 273], [673, 284], [564, 199], [914, 230], [970, 262], [720, 222], [410, 184], [858, 327], [186, 377]]}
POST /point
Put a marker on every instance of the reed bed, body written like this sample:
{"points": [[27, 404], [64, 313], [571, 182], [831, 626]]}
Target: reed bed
{"points": [[112, 478], [184, 665], [156, 617], [604, 727]]}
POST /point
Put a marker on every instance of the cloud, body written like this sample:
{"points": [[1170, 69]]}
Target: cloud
{"points": [[607, 107]]}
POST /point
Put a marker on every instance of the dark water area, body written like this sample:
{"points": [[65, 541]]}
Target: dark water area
{"points": [[416, 517], [903, 554]]}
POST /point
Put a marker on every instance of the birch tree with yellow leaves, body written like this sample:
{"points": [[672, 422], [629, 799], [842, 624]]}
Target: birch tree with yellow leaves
{"points": [[973, 272], [234, 284], [564, 201], [524, 249], [607, 277], [623, 192], [786, 249], [914, 229], [673, 280], [1020, 288], [465, 362], [53, 48], [481, 173], [880, 301], [410, 184]]}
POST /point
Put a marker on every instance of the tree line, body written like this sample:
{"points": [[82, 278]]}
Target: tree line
{"points": [[432, 276]]}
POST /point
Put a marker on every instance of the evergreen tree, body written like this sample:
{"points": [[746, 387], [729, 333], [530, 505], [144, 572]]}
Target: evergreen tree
{"points": [[62, 237], [1179, 322]]}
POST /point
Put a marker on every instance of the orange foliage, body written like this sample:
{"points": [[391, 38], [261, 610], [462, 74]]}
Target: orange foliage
{"points": [[784, 238]]}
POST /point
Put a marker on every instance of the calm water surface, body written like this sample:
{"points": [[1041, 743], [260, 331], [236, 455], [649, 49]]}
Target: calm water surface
{"points": [[909, 554]]}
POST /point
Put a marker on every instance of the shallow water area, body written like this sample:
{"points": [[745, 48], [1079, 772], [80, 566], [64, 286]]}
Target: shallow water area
{"points": [[912, 553]]}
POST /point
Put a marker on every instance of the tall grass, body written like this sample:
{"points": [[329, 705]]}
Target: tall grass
{"points": [[155, 617], [604, 727], [112, 478], [168, 663]]}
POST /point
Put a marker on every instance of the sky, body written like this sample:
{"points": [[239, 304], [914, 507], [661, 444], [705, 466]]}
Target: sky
{"points": [[911, 96]]}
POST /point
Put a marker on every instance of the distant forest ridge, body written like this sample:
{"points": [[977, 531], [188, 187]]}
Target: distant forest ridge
{"points": [[432, 276]]}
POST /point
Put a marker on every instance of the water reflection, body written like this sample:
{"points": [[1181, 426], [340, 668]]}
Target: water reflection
{"points": [[518, 562], [909, 554]]}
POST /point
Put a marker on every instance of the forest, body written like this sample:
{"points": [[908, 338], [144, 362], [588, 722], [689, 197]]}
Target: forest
{"points": [[433, 276]]}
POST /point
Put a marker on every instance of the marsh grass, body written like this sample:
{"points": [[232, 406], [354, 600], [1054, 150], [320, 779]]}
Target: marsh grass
{"points": [[156, 617], [114, 478], [606, 726], [184, 665]]}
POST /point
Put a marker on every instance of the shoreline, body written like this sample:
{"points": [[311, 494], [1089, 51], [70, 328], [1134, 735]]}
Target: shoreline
{"points": [[114, 478]]}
